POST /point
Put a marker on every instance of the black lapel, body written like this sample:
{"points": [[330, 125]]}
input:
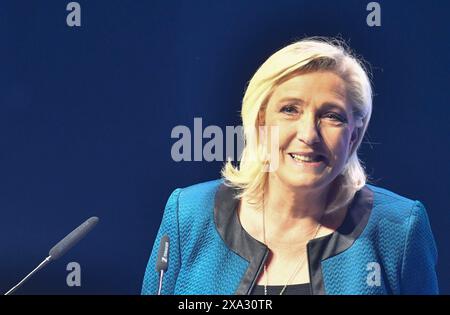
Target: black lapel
{"points": [[335, 243], [236, 238], [255, 252]]}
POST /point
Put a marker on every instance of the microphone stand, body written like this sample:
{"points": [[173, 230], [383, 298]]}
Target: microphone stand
{"points": [[161, 275], [41, 265]]}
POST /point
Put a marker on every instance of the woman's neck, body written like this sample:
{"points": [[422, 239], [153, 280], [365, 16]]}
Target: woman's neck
{"points": [[288, 203], [287, 209]]}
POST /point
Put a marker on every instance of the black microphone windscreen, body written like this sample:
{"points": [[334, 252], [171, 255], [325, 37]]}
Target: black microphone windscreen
{"points": [[71, 239], [163, 254]]}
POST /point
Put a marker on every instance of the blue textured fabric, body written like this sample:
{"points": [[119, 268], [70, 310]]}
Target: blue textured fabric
{"points": [[199, 260], [397, 242], [398, 239]]}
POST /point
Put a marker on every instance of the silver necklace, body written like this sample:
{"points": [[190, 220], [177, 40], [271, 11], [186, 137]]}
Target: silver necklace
{"points": [[300, 263]]}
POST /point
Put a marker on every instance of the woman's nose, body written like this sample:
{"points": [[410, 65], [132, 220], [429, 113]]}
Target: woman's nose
{"points": [[308, 130]]}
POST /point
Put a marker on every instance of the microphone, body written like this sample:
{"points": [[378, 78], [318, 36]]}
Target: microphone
{"points": [[61, 248], [162, 261]]}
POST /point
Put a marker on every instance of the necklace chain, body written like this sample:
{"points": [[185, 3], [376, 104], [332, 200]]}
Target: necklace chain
{"points": [[300, 263]]}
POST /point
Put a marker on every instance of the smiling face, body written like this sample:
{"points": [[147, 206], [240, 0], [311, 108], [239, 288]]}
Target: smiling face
{"points": [[316, 129]]}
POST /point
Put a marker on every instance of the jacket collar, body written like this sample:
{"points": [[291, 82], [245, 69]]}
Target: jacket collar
{"points": [[255, 252]]}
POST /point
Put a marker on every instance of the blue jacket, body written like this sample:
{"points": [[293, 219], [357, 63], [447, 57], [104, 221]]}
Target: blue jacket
{"points": [[384, 246]]}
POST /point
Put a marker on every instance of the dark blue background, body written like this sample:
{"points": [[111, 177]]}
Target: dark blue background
{"points": [[86, 116]]}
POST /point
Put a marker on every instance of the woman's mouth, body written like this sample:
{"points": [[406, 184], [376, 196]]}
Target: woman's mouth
{"points": [[309, 160]]}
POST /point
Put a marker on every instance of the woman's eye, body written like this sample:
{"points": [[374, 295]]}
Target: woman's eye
{"points": [[289, 109], [335, 117]]}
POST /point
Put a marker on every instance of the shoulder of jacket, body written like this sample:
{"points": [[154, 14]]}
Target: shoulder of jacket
{"points": [[200, 192], [197, 200], [391, 206]]}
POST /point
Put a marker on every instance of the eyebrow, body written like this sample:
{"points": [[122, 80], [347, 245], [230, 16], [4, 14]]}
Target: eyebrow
{"points": [[327, 105], [291, 99]]}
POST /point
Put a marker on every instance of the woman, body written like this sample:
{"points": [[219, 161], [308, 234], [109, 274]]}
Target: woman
{"points": [[296, 216]]}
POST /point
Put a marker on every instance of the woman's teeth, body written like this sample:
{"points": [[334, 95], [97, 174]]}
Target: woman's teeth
{"points": [[306, 158]]}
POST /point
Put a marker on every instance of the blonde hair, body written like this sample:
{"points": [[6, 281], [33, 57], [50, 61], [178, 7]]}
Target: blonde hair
{"points": [[307, 55]]}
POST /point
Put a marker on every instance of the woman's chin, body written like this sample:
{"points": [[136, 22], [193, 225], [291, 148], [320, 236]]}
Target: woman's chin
{"points": [[303, 181], [305, 184]]}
